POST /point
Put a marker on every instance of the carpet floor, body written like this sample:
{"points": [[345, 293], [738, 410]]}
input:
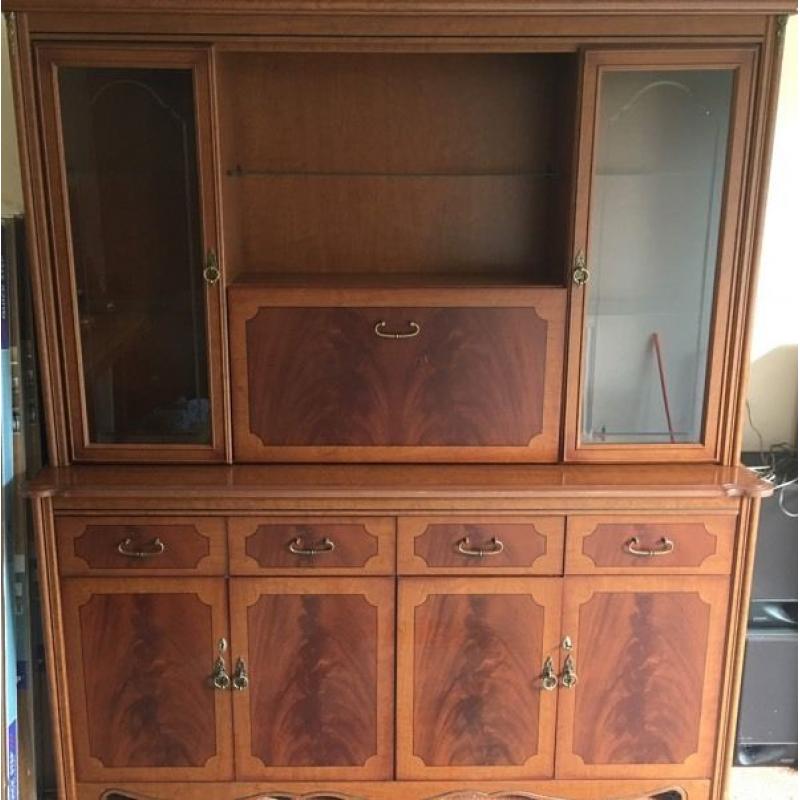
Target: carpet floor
{"points": [[764, 783]]}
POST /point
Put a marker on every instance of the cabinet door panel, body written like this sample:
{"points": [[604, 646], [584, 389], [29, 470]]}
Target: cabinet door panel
{"points": [[320, 656], [661, 166], [470, 659], [397, 375], [648, 654], [141, 652], [129, 151]]}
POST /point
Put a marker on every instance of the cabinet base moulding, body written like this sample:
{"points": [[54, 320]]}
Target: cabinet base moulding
{"points": [[406, 790]]}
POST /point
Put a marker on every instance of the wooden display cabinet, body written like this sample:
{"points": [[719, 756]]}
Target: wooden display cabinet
{"points": [[393, 360]]}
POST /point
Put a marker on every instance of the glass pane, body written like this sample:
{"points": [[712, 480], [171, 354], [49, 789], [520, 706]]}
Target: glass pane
{"points": [[660, 161], [130, 152]]}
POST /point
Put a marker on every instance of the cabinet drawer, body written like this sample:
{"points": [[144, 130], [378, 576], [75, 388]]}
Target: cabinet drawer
{"points": [[665, 544], [324, 545], [161, 545], [433, 376], [490, 545]]}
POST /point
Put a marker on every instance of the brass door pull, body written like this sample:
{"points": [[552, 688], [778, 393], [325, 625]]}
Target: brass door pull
{"points": [[325, 546], [211, 273], [240, 680], [219, 674], [155, 548], [580, 273], [493, 548], [380, 330], [549, 679], [664, 547], [569, 677]]}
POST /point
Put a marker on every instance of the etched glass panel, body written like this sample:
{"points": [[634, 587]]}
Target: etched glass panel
{"points": [[131, 173], [659, 172]]}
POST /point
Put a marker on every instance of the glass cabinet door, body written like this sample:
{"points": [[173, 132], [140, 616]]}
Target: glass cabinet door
{"points": [[661, 158], [128, 147]]}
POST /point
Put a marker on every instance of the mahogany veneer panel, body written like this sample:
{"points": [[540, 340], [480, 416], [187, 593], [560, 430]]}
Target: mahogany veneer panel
{"points": [[320, 654], [90, 545], [470, 702], [316, 382], [648, 653], [597, 544], [532, 545], [260, 545], [141, 653]]}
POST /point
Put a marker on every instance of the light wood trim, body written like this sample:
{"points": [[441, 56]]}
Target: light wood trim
{"points": [[382, 528], [747, 539], [211, 591], [405, 790], [413, 592], [69, 529], [40, 265], [743, 61], [712, 590], [49, 58], [721, 528], [55, 651], [379, 592], [551, 562]]}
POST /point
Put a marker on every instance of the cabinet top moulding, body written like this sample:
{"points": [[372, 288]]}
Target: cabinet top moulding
{"points": [[373, 7], [420, 482]]}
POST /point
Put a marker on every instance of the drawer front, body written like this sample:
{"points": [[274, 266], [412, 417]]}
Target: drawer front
{"points": [[299, 545], [660, 544], [489, 545], [397, 383], [133, 545]]}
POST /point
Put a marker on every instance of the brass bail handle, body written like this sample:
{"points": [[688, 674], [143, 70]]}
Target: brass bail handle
{"points": [[219, 674], [413, 330], [663, 547], [297, 547], [494, 547], [155, 548]]}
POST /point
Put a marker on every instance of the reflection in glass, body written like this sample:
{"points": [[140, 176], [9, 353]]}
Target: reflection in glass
{"points": [[131, 168], [659, 171]]}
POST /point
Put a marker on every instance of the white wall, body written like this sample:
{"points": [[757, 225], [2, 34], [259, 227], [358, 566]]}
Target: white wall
{"points": [[773, 376], [12, 187]]}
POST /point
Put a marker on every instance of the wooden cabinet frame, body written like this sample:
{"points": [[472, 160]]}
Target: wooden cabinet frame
{"points": [[49, 58], [719, 378]]}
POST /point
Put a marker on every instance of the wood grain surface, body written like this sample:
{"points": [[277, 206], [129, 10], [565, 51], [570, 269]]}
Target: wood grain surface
{"points": [[142, 651], [90, 545], [532, 545], [319, 655], [470, 702], [647, 653], [597, 544]]}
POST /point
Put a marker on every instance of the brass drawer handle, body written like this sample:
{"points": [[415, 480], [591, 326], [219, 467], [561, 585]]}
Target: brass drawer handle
{"points": [[380, 330], [219, 674], [493, 548], [240, 681], [549, 679], [211, 273], [664, 547], [569, 677], [155, 548], [325, 546]]}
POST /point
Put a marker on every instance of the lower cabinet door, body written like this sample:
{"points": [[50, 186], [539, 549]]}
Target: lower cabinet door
{"points": [[318, 656], [140, 656], [471, 700], [647, 653]]}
